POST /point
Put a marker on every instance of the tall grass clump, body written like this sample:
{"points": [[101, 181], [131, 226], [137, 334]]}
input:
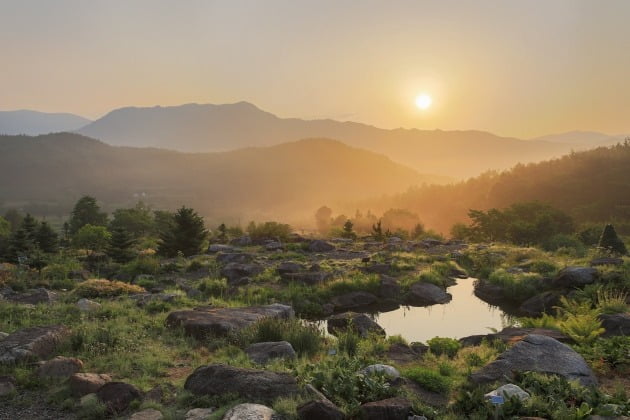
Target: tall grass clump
{"points": [[429, 379], [306, 339]]}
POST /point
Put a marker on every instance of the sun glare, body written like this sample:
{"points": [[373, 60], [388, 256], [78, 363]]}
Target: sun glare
{"points": [[423, 101]]}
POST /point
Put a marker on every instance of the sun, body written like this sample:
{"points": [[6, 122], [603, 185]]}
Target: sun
{"points": [[423, 101]]}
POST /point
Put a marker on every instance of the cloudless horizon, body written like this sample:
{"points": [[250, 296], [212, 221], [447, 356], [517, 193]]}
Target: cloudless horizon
{"points": [[521, 69]]}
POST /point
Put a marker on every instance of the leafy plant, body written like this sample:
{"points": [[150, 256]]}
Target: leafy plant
{"points": [[444, 345], [429, 379]]}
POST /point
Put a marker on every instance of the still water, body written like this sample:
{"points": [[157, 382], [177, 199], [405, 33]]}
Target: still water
{"points": [[465, 315]]}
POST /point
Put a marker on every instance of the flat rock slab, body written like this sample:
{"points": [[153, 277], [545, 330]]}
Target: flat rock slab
{"points": [[537, 353], [263, 352], [360, 323], [389, 409], [512, 335], [615, 324], [204, 322], [250, 412], [32, 343], [219, 379], [117, 396], [425, 294]]}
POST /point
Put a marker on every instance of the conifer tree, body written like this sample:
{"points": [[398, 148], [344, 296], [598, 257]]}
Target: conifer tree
{"points": [[86, 212], [47, 239], [186, 235], [611, 242], [348, 231], [120, 245]]}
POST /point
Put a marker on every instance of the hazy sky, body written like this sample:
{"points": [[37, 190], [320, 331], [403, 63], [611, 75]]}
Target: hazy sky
{"points": [[521, 68]]}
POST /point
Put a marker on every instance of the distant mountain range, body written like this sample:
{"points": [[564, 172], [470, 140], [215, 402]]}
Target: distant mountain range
{"points": [[205, 128], [281, 182], [35, 122], [583, 138]]}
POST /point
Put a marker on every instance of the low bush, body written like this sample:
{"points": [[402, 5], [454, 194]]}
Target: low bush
{"points": [[306, 339], [444, 345], [429, 379], [213, 287], [95, 288]]}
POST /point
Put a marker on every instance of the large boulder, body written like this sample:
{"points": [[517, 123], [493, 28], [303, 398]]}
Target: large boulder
{"points": [[234, 272], [542, 303], [87, 305], [387, 371], [572, 277], [33, 297], [320, 246], [263, 352], [59, 368], [32, 343], [390, 409], [537, 353], [319, 410], [208, 321], [615, 324], [87, 383], [360, 323], [117, 396], [425, 294], [218, 379], [512, 335], [250, 412], [289, 267], [389, 288], [353, 300]]}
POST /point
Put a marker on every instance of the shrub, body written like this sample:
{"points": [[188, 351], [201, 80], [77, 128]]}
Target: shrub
{"points": [[563, 241], [141, 265], [305, 339], [444, 345], [429, 379], [269, 230], [517, 287], [213, 287], [611, 301], [348, 342], [94, 288]]}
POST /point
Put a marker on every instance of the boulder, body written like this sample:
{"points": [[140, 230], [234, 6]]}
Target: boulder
{"points": [[7, 386], [310, 278], [144, 299], [3, 335], [32, 343], [209, 321], [117, 396], [199, 414], [615, 324], [377, 269], [353, 300], [360, 323], [542, 303], [508, 391], [33, 297], [245, 240], [219, 379], [263, 352], [606, 261], [387, 371], [59, 368], [431, 398], [320, 246], [274, 246], [401, 354], [214, 248], [250, 412], [234, 272], [537, 353], [572, 277], [87, 305], [319, 410], [234, 257], [289, 267], [511, 335], [425, 294], [87, 383], [389, 288], [488, 292], [390, 409], [147, 414]]}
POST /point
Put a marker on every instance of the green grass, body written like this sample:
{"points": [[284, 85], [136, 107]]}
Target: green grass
{"points": [[429, 379]]}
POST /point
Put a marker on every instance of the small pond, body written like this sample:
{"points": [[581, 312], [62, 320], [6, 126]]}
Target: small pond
{"points": [[465, 315]]}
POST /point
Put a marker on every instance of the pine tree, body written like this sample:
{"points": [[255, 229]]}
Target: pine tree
{"points": [[30, 226], [611, 242], [222, 233], [20, 245], [47, 239], [377, 231], [120, 245], [347, 230], [186, 235], [86, 212]]}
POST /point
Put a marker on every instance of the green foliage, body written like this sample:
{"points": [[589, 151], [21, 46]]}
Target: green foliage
{"points": [[613, 351], [611, 301], [444, 345], [517, 287], [269, 230], [305, 339], [579, 320], [348, 342], [347, 230], [91, 238], [213, 287], [94, 288], [610, 242], [562, 240], [86, 212], [186, 235], [46, 238], [429, 379], [143, 264], [545, 321], [137, 221], [120, 245], [377, 231]]}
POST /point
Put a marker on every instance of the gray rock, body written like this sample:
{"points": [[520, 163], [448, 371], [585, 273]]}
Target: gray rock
{"points": [[87, 305], [219, 379], [7, 386], [117, 396], [32, 343], [144, 299], [33, 297], [234, 272], [263, 352], [542, 303], [250, 412], [274, 246], [319, 410], [3, 335], [147, 414], [512, 335], [320, 246], [353, 300], [204, 322], [310, 278], [245, 240], [59, 368], [377, 269], [537, 353], [87, 383], [234, 257], [424, 294], [360, 323], [606, 261], [390, 409], [615, 324], [572, 277], [289, 267], [389, 288], [199, 414], [214, 248], [387, 371], [508, 391], [401, 354]]}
